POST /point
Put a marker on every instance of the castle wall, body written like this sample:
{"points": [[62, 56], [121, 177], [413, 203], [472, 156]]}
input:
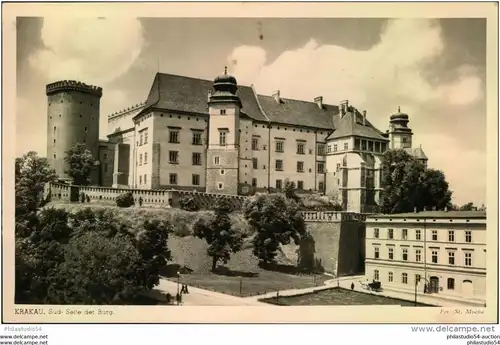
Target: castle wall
{"points": [[106, 163], [73, 117], [123, 120]]}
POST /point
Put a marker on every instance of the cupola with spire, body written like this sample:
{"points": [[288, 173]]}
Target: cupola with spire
{"points": [[399, 132], [225, 88]]}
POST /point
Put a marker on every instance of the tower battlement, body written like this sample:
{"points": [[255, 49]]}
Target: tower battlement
{"points": [[126, 110], [72, 85]]}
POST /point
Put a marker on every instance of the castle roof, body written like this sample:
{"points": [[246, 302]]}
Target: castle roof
{"points": [[434, 214], [190, 95], [416, 152], [351, 124]]}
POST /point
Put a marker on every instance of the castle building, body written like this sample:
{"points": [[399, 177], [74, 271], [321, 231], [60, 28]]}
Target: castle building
{"points": [[221, 137], [443, 250]]}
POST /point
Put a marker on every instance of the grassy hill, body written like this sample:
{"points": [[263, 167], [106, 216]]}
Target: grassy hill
{"points": [[242, 274]]}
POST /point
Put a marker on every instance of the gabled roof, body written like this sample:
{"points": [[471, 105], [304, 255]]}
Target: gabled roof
{"points": [[351, 124], [416, 152]]}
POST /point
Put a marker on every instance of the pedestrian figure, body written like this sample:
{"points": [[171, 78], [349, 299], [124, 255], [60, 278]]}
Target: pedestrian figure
{"points": [[88, 198], [169, 298], [140, 201], [352, 286], [186, 290]]}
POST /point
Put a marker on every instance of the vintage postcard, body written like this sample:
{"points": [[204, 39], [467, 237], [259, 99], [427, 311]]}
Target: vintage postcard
{"points": [[250, 163]]}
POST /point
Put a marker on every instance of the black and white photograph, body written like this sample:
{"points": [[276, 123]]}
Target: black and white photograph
{"points": [[176, 162]]}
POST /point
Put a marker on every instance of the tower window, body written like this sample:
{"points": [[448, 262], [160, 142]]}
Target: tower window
{"points": [[222, 138], [216, 160], [404, 140], [86, 129], [220, 185], [54, 156], [223, 111]]}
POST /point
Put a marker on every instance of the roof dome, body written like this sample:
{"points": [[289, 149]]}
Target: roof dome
{"points": [[399, 115], [225, 79]]}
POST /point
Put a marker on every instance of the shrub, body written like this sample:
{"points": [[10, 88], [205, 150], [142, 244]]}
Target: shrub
{"points": [[188, 203], [125, 200]]}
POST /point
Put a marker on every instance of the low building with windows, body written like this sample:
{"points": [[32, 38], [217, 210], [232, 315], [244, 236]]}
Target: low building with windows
{"points": [[443, 252], [220, 137]]}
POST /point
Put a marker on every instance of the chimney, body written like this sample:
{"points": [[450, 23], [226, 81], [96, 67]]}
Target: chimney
{"points": [[344, 108], [209, 94], [364, 117], [276, 95], [319, 101]]}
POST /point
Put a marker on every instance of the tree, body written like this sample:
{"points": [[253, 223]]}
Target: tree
{"points": [[219, 233], [81, 162], [289, 191], [32, 173], [408, 184], [467, 207], [276, 221]]}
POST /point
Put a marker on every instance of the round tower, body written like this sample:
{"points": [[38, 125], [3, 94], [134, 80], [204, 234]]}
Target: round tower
{"points": [[400, 134], [73, 117]]}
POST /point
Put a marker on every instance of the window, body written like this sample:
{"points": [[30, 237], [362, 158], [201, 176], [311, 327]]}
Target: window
{"points": [[329, 148], [376, 252], [321, 167], [254, 182], [434, 235], [255, 144], [216, 160], [468, 259], [173, 157], [376, 233], [391, 253], [346, 146], [222, 138], [54, 155], [451, 284], [321, 186], [279, 165], [321, 150], [222, 172], [451, 236], [279, 146], [434, 257], [451, 258], [300, 166], [404, 278], [468, 236], [338, 167], [195, 180], [140, 179], [418, 235], [223, 111], [404, 234], [145, 136], [377, 146], [146, 158], [86, 129], [105, 156], [300, 148], [418, 255], [390, 234], [279, 184], [140, 138], [363, 145], [145, 178], [220, 185], [300, 184], [196, 138], [404, 139], [405, 254], [196, 159], [173, 137], [390, 277], [417, 278], [173, 178], [370, 146], [376, 275], [255, 163], [140, 159], [105, 168], [334, 147]]}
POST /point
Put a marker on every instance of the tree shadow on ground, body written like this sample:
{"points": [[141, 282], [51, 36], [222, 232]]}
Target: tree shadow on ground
{"points": [[171, 270], [224, 271], [282, 268]]}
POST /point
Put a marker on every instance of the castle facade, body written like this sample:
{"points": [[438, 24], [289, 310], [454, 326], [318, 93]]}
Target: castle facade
{"points": [[221, 137]]}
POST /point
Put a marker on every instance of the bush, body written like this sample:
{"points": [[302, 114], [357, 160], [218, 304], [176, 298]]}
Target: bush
{"points": [[125, 200], [188, 203]]}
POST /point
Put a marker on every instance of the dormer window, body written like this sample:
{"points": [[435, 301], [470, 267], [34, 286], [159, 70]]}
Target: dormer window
{"points": [[223, 111]]}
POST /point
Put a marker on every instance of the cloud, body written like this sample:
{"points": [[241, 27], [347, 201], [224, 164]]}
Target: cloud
{"points": [[94, 50], [391, 73]]}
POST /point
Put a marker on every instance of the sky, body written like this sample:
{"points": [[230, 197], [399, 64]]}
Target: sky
{"points": [[435, 70]]}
